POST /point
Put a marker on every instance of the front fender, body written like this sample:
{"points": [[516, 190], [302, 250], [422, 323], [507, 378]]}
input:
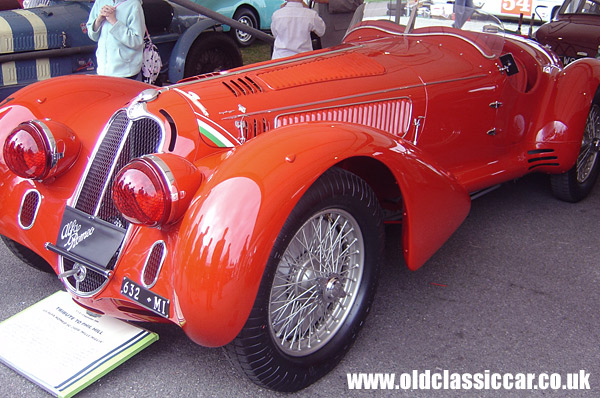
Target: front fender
{"points": [[229, 230], [182, 48]]}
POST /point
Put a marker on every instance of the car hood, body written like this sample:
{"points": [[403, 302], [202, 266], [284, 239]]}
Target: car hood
{"points": [[247, 102], [242, 103]]}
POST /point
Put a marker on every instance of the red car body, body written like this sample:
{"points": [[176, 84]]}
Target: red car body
{"points": [[421, 120]]}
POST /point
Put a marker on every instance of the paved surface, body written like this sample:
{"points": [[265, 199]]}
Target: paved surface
{"points": [[516, 289]]}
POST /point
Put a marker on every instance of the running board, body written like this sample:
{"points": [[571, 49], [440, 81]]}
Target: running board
{"points": [[482, 192]]}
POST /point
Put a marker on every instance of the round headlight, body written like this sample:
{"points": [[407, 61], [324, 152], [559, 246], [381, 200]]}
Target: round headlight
{"points": [[139, 194], [27, 152], [40, 149], [155, 190]]}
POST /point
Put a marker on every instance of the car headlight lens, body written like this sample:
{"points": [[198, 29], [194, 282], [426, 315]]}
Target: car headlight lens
{"points": [[155, 190], [27, 153], [40, 149]]}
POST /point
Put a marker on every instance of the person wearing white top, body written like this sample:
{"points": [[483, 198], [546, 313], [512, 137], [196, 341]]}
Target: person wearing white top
{"points": [[291, 26], [118, 27]]}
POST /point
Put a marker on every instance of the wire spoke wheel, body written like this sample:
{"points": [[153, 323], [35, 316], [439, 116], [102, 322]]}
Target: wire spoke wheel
{"points": [[590, 145], [578, 182], [317, 287], [316, 282]]}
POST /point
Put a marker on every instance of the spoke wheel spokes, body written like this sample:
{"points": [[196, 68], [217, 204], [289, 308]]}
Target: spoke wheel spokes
{"points": [[590, 145], [316, 282]]}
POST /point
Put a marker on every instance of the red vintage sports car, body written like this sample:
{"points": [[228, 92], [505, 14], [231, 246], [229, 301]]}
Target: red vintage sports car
{"points": [[248, 206]]}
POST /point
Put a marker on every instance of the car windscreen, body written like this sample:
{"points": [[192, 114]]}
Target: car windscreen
{"points": [[430, 17]]}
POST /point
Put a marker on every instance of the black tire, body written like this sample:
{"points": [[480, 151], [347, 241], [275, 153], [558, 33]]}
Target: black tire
{"points": [[578, 182], [28, 256], [247, 17], [212, 52], [310, 305]]}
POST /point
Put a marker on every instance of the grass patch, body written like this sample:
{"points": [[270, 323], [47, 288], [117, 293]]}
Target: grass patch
{"points": [[257, 52]]}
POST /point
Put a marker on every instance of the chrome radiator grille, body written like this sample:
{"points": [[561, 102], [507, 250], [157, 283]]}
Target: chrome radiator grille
{"points": [[124, 140]]}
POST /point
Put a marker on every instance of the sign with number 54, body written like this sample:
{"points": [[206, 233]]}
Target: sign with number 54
{"points": [[517, 7]]}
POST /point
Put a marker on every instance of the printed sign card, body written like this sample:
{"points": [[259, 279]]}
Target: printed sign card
{"points": [[63, 349]]}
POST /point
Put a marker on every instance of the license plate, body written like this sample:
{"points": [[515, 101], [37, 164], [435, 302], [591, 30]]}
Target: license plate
{"points": [[145, 297]]}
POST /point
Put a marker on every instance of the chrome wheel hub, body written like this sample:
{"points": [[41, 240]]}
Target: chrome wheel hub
{"points": [[241, 35], [332, 289]]}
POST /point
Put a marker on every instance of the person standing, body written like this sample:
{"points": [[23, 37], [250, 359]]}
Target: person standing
{"points": [[292, 25], [337, 15], [119, 28]]}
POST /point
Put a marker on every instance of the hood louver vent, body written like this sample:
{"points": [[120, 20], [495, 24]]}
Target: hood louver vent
{"points": [[243, 86], [253, 127], [392, 116]]}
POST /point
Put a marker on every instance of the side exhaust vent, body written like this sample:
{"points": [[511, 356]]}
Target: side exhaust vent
{"points": [[542, 157]]}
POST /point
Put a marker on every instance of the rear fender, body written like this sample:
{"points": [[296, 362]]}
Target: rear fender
{"points": [[567, 109], [182, 48], [229, 230]]}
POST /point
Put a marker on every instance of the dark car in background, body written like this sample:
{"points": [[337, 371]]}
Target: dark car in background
{"points": [[44, 42], [575, 31]]}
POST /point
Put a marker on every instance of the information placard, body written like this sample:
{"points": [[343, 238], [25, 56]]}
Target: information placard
{"points": [[59, 346]]}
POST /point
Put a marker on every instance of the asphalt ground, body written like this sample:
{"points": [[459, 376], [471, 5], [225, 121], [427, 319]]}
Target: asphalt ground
{"points": [[515, 289]]}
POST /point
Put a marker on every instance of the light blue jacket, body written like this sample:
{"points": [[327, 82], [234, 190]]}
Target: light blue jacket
{"points": [[120, 46]]}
